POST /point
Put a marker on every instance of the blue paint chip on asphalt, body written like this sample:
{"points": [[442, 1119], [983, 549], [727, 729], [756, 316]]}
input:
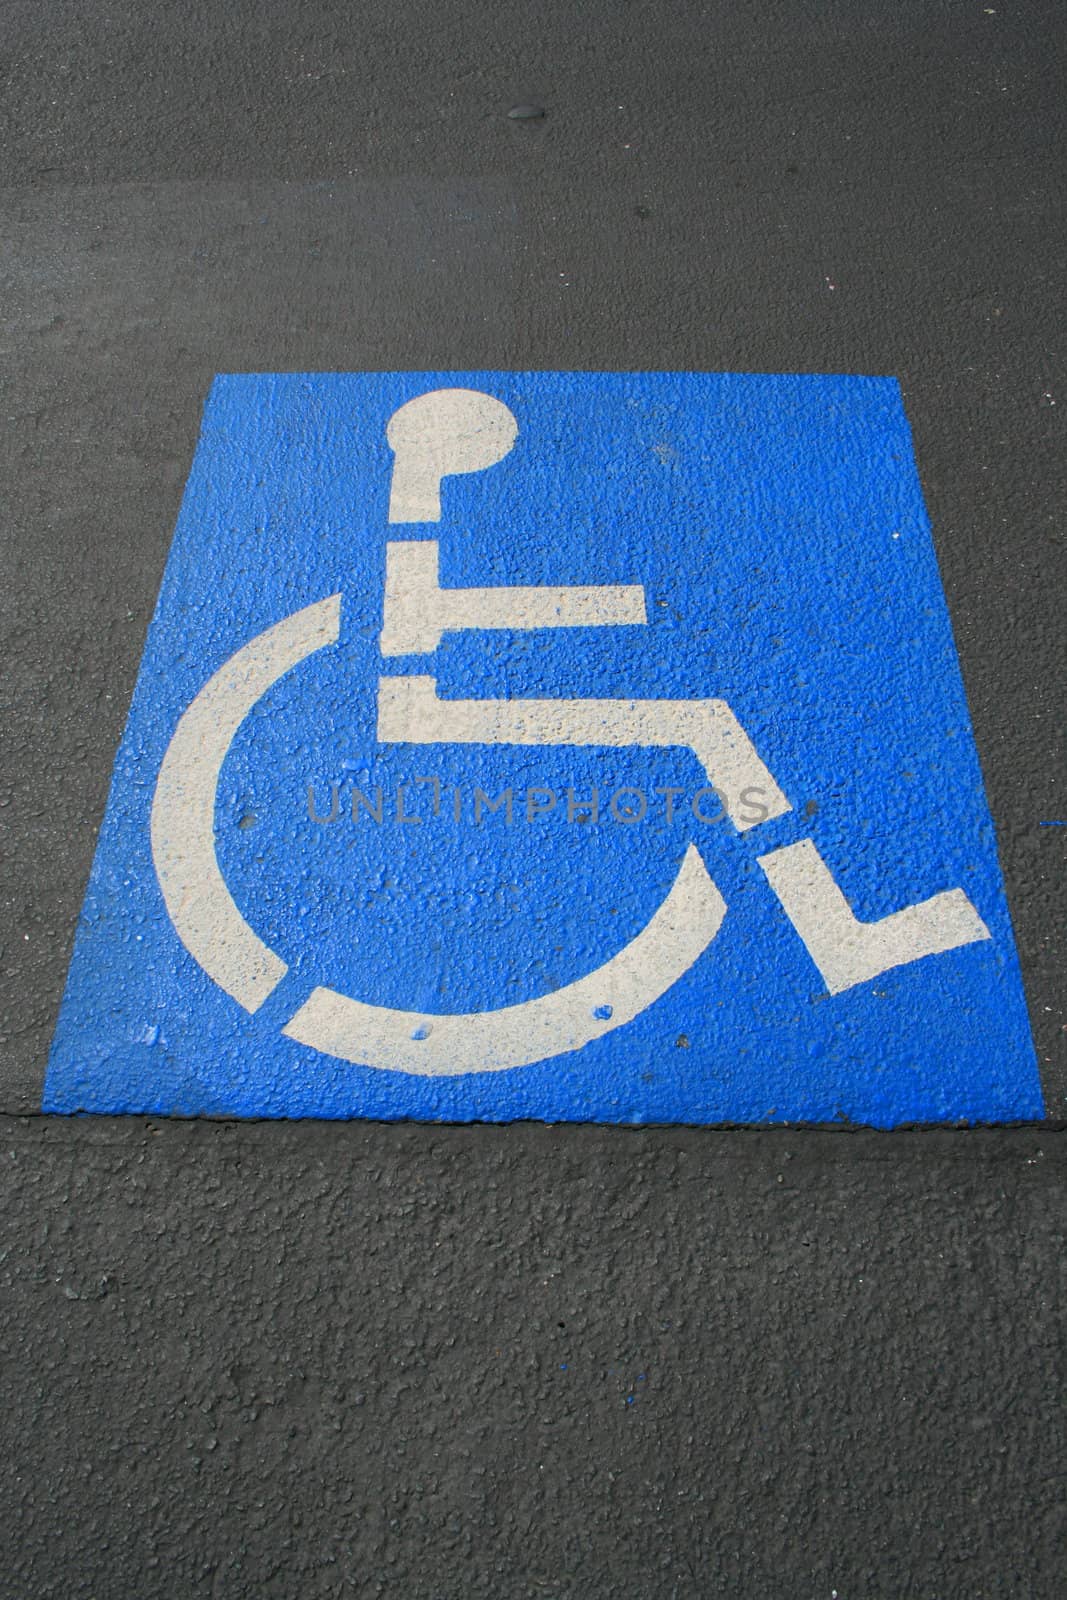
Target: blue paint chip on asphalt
{"points": [[640, 788]]}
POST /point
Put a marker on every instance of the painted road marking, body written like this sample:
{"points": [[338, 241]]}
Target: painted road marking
{"points": [[198, 901], [440, 434], [410, 712], [899, 997], [417, 611], [435, 1045], [847, 951]]}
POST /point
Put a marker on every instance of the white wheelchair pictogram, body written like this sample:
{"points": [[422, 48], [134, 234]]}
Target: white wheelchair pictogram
{"points": [[440, 434]]}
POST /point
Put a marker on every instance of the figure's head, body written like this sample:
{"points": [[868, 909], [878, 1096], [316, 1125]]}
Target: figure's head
{"points": [[438, 435]]}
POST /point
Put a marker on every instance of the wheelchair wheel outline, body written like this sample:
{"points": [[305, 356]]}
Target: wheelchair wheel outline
{"points": [[221, 941]]}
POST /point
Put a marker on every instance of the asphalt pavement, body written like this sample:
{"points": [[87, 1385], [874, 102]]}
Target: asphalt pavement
{"points": [[310, 1359]]}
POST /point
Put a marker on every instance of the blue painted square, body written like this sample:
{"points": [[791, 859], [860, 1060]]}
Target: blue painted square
{"points": [[776, 527]]}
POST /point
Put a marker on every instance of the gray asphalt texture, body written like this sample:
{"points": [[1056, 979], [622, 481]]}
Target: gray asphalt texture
{"points": [[305, 1360]]}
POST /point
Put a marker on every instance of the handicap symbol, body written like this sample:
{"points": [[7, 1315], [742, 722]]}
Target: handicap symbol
{"points": [[439, 434]]}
